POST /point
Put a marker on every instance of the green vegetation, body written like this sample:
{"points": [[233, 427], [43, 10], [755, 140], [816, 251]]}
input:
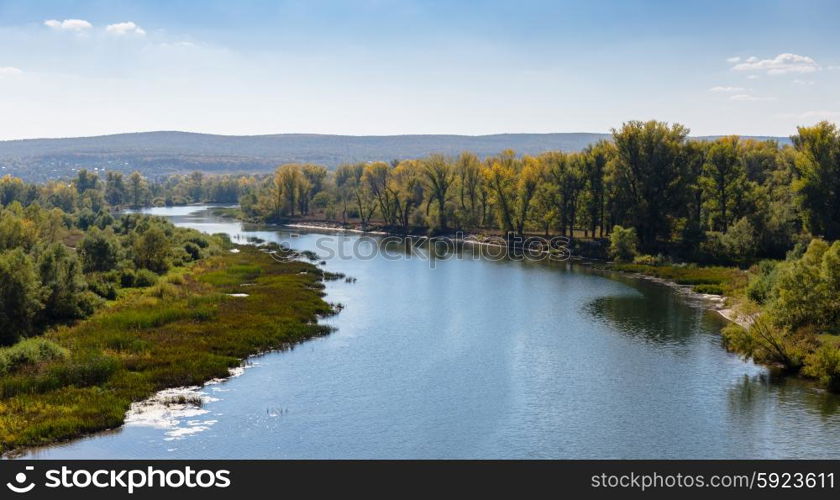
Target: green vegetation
{"points": [[712, 279], [184, 330], [623, 244], [57, 267], [98, 311], [758, 222], [799, 322]]}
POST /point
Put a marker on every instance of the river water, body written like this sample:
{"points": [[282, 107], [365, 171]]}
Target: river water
{"points": [[480, 358]]}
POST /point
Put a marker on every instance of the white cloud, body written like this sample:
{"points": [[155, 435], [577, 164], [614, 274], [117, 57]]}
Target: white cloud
{"points": [[77, 25], [733, 60], [821, 114], [125, 28], [748, 98], [752, 77], [9, 71], [803, 82], [721, 88], [779, 65]]}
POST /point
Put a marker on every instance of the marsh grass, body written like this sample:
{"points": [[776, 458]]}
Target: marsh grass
{"points": [[181, 331], [716, 280]]}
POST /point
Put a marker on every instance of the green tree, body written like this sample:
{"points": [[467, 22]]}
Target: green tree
{"points": [[63, 285], [818, 165], [115, 190], [649, 171], [20, 295], [623, 244], [724, 182], [99, 250], [137, 189], [86, 180], [152, 250]]}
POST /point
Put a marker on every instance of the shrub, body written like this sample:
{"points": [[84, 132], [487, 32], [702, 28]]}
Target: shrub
{"points": [[102, 287], [766, 343], [152, 250], [193, 250], [127, 276], [824, 364], [740, 242], [762, 279], [623, 244], [29, 352], [98, 250], [650, 260], [144, 278]]}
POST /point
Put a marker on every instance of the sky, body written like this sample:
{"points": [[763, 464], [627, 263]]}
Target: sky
{"points": [[385, 67]]}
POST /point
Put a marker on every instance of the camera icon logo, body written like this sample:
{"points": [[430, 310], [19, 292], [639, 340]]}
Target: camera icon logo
{"points": [[20, 479]]}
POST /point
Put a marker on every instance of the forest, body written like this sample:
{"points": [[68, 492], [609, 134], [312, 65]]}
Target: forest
{"points": [[649, 197]]}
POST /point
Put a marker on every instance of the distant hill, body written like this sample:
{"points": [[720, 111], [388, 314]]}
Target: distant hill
{"points": [[158, 154]]}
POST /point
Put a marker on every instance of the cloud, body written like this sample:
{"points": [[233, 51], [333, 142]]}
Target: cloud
{"points": [[803, 82], [821, 114], [77, 25], [9, 71], [720, 88], [779, 65], [125, 28], [748, 98], [733, 60], [752, 77]]}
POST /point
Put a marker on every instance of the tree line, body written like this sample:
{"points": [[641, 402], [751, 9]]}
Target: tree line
{"points": [[728, 200]]}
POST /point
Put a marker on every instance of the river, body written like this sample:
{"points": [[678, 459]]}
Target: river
{"points": [[480, 358]]}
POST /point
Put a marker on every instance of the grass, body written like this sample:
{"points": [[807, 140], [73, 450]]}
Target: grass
{"points": [[714, 279], [183, 331]]}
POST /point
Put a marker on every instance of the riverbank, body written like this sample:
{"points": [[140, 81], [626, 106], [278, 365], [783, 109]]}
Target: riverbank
{"points": [[192, 327], [720, 287]]}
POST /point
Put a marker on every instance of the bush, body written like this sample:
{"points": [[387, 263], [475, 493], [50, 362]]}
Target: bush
{"points": [[179, 257], [144, 278], [650, 260], [127, 276], [152, 250], [766, 343], [806, 292], [762, 280], [102, 287], [824, 364], [29, 352], [193, 250], [99, 250], [740, 241], [623, 244]]}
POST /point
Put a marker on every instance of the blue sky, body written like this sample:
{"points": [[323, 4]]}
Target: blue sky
{"points": [[73, 68]]}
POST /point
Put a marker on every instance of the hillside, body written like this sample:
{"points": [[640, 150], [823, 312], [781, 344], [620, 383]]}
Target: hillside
{"points": [[157, 154]]}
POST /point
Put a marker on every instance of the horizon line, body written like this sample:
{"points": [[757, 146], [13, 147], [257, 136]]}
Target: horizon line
{"points": [[319, 134]]}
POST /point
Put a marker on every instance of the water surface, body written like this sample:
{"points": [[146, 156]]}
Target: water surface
{"points": [[474, 358]]}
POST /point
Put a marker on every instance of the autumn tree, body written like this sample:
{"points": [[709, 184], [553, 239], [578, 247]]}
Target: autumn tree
{"points": [[438, 177]]}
